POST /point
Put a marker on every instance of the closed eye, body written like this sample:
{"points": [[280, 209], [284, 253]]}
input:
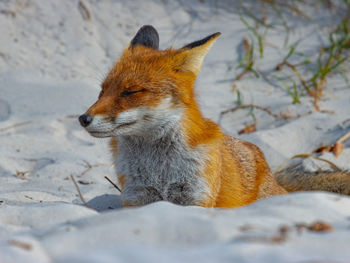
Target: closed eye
{"points": [[126, 93]]}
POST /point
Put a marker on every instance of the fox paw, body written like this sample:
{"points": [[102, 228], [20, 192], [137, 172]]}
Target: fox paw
{"points": [[180, 193], [141, 195]]}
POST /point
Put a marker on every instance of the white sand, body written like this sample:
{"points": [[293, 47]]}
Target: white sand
{"points": [[51, 64]]}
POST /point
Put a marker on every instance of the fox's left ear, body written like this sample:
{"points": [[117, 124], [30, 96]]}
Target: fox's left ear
{"points": [[192, 55], [147, 36]]}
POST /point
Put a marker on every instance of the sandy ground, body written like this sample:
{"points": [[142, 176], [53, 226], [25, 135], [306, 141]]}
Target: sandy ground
{"points": [[53, 56]]}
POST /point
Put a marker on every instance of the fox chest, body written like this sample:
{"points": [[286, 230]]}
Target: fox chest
{"points": [[163, 170]]}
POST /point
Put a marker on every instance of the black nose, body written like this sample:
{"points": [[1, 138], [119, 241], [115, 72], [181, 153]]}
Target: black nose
{"points": [[85, 120]]}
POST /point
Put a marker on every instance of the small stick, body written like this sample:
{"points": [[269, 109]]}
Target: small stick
{"points": [[80, 195], [29, 197], [116, 186]]}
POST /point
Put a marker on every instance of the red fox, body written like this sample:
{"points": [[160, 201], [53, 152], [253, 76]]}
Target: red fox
{"points": [[162, 146]]}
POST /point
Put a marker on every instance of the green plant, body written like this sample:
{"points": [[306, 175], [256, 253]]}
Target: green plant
{"points": [[248, 61], [302, 74], [260, 37]]}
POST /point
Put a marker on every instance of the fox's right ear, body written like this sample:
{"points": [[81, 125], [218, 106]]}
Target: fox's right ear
{"points": [[147, 36], [191, 56]]}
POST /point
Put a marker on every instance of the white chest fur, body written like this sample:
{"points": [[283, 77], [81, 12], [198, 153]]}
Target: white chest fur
{"points": [[160, 168]]}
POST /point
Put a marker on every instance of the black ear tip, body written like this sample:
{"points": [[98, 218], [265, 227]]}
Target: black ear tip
{"points": [[146, 36], [202, 41]]}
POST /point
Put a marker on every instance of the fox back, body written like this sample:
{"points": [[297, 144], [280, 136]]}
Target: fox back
{"points": [[162, 146]]}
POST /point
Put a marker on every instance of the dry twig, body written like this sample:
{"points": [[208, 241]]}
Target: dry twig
{"points": [[116, 186], [80, 195], [29, 197]]}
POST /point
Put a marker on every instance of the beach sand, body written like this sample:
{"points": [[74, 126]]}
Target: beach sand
{"points": [[53, 57]]}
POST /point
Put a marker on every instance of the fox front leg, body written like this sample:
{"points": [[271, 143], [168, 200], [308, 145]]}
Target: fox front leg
{"points": [[140, 195]]}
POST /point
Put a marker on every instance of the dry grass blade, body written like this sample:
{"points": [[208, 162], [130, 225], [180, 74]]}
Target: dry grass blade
{"points": [[21, 244], [90, 167], [246, 45], [285, 163], [337, 148], [242, 74], [22, 175], [343, 138], [281, 116], [116, 186], [85, 13], [248, 129], [286, 116], [334, 167], [304, 156], [252, 128], [247, 62], [15, 125], [317, 226], [80, 195], [251, 106], [28, 197], [297, 73]]}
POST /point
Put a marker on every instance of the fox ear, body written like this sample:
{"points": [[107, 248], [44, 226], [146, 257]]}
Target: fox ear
{"points": [[146, 36], [192, 55]]}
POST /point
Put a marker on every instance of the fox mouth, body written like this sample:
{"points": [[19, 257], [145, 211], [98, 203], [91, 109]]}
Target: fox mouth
{"points": [[101, 133], [124, 125]]}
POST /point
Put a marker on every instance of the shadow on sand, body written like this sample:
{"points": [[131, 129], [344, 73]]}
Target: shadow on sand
{"points": [[105, 202]]}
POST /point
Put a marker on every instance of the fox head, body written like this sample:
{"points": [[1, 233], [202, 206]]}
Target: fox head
{"points": [[147, 88]]}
